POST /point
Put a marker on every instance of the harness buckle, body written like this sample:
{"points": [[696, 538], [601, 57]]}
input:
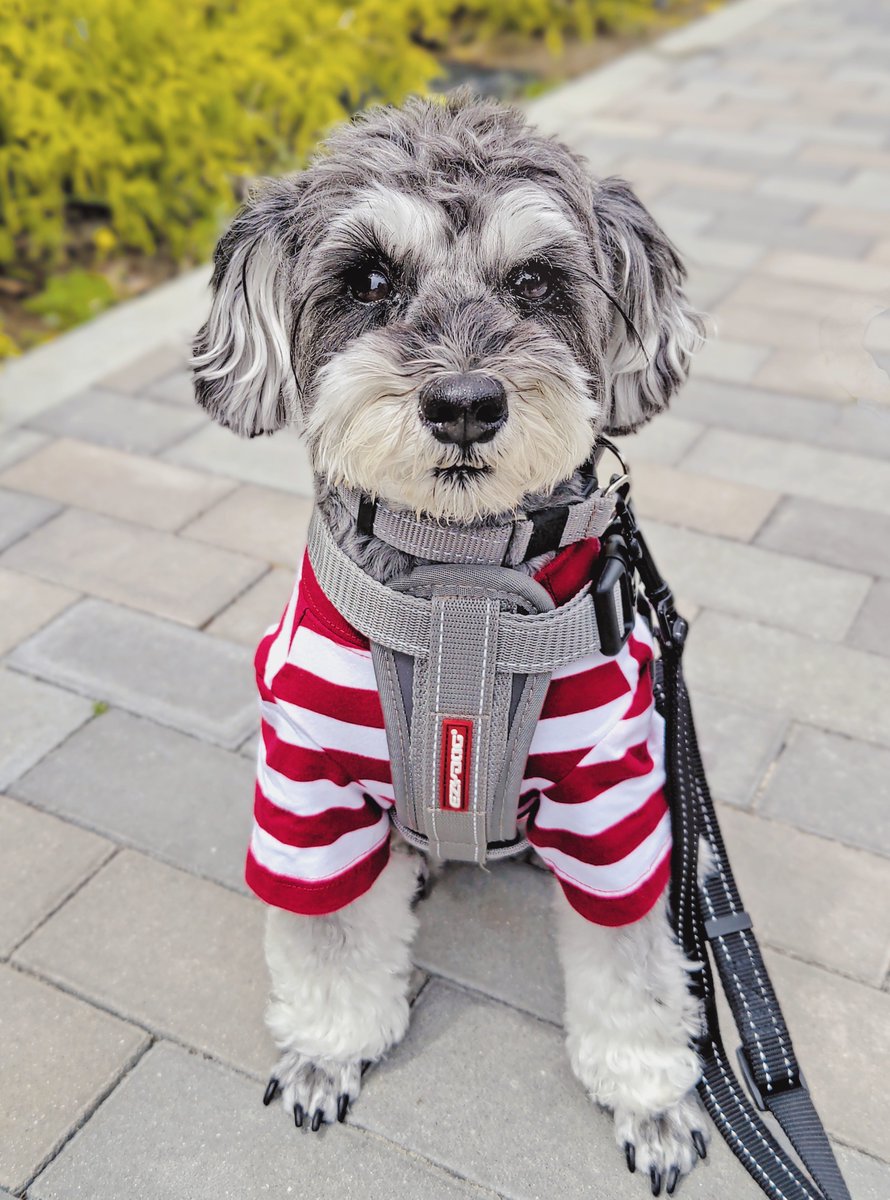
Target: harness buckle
{"points": [[747, 1073], [614, 594]]}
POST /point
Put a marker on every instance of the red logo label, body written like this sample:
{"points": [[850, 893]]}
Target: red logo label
{"points": [[454, 787]]}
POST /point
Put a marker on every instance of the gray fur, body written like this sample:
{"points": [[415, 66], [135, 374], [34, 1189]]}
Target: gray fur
{"points": [[453, 196]]}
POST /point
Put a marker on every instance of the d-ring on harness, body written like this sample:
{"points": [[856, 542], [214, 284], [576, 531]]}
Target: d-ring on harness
{"points": [[463, 649]]}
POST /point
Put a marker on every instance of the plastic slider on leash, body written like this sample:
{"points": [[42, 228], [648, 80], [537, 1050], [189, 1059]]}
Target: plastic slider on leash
{"points": [[463, 650]]}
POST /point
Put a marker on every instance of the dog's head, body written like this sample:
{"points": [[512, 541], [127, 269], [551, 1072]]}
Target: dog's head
{"points": [[449, 305]]}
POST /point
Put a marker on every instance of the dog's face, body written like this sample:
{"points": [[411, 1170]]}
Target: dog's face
{"points": [[450, 306]]}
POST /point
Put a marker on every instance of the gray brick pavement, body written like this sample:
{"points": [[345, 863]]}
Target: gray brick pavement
{"points": [[146, 549]]}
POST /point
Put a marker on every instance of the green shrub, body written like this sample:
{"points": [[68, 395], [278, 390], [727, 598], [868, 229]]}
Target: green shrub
{"points": [[71, 297], [125, 125]]}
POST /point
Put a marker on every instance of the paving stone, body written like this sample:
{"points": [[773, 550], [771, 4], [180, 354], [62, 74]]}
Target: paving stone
{"points": [[789, 330], [16, 444], [182, 1128], [708, 250], [129, 564], [852, 220], [680, 498], [114, 419], [487, 1092], [249, 616], [738, 744], [148, 666], [834, 786], [867, 1177], [121, 485], [736, 362], [262, 522], [791, 593], [58, 1056], [822, 902], [831, 686], [41, 861], [663, 441], [841, 1032], [706, 287], [843, 537], [769, 211], [20, 513], [146, 370], [805, 471], [833, 243], [824, 374], [27, 604], [495, 931], [279, 461], [34, 718], [179, 955], [871, 627], [176, 388], [756, 410], [152, 788]]}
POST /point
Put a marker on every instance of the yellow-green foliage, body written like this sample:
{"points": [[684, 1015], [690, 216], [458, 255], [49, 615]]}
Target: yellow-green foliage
{"points": [[153, 107], [143, 114]]}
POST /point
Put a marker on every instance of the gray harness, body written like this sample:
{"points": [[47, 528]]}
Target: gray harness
{"points": [[463, 651]]}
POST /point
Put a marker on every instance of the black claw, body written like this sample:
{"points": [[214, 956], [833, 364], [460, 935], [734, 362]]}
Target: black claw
{"points": [[317, 1118], [271, 1091], [630, 1153], [698, 1140], [342, 1106], [298, 1115], [655, 1180], [672, 1180]]}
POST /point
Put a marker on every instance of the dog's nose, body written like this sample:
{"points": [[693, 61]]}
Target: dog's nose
{"points": [[464, 408]]}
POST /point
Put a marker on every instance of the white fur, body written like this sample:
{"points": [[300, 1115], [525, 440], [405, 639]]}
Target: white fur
{"points": [[248, 348], [365, 432], [629, 1019]]}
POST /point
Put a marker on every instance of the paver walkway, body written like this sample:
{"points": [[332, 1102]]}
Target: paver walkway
{"points": [[143, 551]]}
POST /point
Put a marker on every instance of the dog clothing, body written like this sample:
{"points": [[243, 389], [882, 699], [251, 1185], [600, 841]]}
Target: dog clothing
{"points": [[592, 798]]}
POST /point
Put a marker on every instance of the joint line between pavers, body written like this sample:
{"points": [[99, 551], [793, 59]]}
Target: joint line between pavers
{"points": [[238, 595], [112, 853], [89, 1112], [423, 1160]]}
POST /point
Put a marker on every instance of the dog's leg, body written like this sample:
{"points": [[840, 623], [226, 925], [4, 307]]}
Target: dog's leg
{"points": [[340, 992], [629, 1018]]}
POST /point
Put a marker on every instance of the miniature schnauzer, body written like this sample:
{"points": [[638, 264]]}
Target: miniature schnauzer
{"points": [[428, 244]]}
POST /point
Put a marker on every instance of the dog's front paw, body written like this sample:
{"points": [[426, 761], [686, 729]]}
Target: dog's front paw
{"points": [[665, 1146], [316, 1091]]}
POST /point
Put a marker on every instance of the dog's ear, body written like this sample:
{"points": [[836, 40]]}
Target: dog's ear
{"points": [[242, 366], [655, 330]]}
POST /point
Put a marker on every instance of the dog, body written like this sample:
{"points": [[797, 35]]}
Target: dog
{"points": [[452, 310]]}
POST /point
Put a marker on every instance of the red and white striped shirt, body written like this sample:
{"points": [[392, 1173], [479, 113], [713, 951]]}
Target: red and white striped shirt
{"points": [[593, 792]]}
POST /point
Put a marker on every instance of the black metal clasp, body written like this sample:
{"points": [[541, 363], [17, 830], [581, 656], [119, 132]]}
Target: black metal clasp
{"points": [[614, 594]]}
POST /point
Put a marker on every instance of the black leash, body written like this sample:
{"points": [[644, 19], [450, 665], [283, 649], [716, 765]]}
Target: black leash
{"points": [[711, 913]]}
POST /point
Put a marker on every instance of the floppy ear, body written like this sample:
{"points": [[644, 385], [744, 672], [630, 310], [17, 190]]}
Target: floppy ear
{"points": [[649, 361], [242, 356]]}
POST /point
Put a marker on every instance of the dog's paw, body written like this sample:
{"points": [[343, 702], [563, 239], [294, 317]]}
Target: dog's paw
{"points": [[665, 1146], [316, 1091]]}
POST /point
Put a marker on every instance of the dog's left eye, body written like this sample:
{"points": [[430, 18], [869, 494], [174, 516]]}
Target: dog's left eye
{"points": [[369, 285], [532, 281]]}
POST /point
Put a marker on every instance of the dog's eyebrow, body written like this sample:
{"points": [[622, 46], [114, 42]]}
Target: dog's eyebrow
{"points": [[523, 222], [401, 224]]}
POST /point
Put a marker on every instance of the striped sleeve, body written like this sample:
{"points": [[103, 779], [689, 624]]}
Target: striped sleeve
{"points": [[601, 820], [321, 830]]}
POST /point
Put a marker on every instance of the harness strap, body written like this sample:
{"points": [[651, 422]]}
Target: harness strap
{"points": [[506, 544], [536, 643]]}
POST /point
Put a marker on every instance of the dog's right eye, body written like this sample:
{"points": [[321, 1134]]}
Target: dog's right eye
{"points": [[369, 285]]}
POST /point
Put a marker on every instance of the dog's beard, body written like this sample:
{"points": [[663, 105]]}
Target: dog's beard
{"points": [[365, 430]]}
